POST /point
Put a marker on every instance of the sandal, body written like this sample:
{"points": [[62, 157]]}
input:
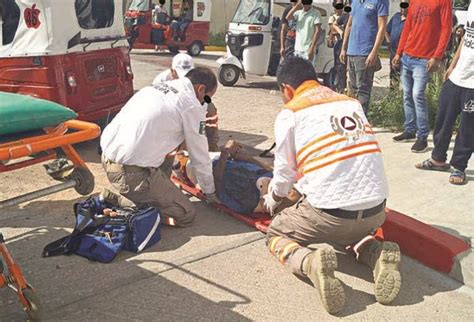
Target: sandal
{"points": [[457, 177], [430, 165]]}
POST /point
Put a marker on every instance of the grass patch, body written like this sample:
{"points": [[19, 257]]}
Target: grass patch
{"points": [[217, 39], [388, 113]]}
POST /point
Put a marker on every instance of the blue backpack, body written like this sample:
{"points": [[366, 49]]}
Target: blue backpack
{"points": [[100, 238]]}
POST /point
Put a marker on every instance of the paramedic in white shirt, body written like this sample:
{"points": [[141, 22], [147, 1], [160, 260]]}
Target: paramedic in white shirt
{"points": [[326, 150], [153, 123]]}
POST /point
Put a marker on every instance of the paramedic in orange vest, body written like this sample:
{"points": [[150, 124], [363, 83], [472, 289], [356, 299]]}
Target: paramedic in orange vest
{"points": [[327, 151]]}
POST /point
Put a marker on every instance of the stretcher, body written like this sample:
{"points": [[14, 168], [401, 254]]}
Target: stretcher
{"points": [[259, 221], [67, 167]]}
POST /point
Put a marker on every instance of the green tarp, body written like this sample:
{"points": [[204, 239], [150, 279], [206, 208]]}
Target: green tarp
{"points": [[20, 113]]}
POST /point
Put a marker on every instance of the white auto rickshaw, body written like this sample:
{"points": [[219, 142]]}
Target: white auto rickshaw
{"points": [[73, 52], [253, 40]]}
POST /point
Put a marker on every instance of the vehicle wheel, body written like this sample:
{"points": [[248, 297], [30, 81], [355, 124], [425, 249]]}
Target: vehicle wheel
{"points": [[33, 309], [228, 75], [173, 50], [195, 48], [85, 181]]}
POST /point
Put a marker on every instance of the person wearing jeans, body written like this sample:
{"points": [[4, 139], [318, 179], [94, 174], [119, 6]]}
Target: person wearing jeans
{"points": [[457, 97], [414, 79], [364, 34], [422, 45]]}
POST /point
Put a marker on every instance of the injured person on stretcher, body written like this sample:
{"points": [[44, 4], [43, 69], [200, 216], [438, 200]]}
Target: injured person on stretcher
{"points": [[241, 180]]}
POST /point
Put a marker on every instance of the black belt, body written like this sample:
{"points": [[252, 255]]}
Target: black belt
{"points": [[348, 214]]}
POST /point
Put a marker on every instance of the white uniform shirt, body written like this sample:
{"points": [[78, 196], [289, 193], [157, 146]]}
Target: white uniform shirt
{"points": [[325, 144], [153, 123], [162, 77], [463, 73]]}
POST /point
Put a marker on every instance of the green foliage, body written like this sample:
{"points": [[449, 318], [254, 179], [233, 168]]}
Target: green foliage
{"points": [[217, 39], [388, 111]]}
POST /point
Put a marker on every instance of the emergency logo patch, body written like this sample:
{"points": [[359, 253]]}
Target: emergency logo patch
{"points": [[202, 127], [31, 16], [350, 127]]}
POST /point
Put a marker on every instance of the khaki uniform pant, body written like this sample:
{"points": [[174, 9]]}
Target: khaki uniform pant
{"points": [[151, 187], [300, 225]]}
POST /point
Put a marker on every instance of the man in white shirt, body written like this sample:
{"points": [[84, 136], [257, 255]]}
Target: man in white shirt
{"points": [[153, 123], [457, 97], [180, 66], [327, 151]]}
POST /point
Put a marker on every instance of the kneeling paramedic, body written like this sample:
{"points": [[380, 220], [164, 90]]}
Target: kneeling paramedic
{"points": [[153, 123], [327, 151]]}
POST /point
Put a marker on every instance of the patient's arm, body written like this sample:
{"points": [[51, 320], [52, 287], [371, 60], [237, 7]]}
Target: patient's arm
{"points": [[218, 171], [244, 156]]}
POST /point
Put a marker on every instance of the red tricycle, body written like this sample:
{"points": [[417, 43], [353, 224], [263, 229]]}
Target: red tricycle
{"points": [[177, 25], [73, 52]]}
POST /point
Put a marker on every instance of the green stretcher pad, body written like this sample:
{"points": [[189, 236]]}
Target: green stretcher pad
{"points": [[20, 113]]}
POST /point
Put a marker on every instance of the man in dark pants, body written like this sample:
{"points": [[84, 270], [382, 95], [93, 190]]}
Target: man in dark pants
{"points": [[363, 37], [287, 33], [457, 97]]}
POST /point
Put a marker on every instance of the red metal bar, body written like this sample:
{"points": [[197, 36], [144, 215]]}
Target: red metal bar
{"points": [[257, 220], [23, 164]]}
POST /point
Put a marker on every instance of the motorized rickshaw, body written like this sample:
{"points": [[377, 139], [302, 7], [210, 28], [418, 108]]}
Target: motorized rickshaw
{"points": [[145, 32], [73, 52], [253, 40]]}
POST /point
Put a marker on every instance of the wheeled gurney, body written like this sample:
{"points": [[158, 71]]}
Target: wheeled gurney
{"points": [[67, 167]]}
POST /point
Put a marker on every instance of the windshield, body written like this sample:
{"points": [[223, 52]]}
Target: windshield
{"points": [[252, 12], [139, 5], [461, 4]]}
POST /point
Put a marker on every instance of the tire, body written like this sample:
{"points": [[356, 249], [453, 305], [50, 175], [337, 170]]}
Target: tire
{"points": [[85, 182], [173, 50], [228, 75], [195, 48]]}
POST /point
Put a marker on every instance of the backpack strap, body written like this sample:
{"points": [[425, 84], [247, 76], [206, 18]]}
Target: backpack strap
{"points": [[67, 244]]}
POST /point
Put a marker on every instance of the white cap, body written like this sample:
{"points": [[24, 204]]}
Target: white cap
{"points": [[182, 63]]}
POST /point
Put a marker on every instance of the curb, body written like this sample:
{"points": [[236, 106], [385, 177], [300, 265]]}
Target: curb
{"points": [[215, 48], [432, 247]]}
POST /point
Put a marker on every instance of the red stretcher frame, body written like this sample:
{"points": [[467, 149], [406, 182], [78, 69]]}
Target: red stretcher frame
{"points": [[258, 221]]}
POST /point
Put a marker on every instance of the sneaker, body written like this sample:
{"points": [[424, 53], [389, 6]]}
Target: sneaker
{"points": [[320, 270], [420, 146], [404, 137], [387, 277]]}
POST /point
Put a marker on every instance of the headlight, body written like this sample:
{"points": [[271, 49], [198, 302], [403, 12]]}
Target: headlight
{"points": [[226, 38], [246, 41]]}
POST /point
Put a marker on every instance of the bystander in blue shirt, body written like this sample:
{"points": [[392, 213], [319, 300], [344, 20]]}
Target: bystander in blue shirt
{"points": [[364, 29], [394, 30]]}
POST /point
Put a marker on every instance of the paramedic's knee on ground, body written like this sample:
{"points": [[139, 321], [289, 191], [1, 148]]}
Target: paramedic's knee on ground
{"points": [[155, 121], [326, 164]]}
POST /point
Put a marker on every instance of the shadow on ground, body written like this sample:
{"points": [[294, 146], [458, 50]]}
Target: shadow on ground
{"points": [[120, 289], [358, 300]]}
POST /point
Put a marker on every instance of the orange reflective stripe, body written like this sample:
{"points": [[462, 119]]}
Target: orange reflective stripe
{"points": [[286, 250], [273, 243], [319, 139], [347, 148], [319, 149], [342, 159]]}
